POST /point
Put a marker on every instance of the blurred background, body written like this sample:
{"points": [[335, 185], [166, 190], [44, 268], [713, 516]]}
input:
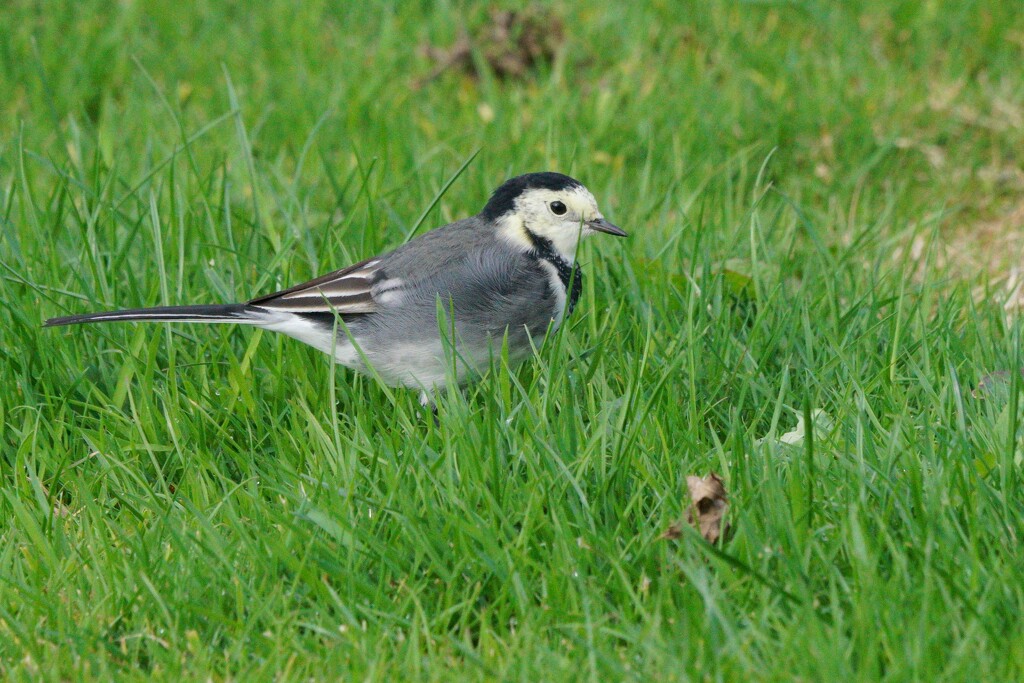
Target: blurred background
{"points": [[646, 102]]}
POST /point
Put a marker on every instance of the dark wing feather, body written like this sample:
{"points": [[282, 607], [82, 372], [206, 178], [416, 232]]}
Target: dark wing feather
{"points": [[345, 291]]}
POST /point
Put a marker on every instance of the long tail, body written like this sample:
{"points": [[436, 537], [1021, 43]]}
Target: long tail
{"points": [[222, 313]]}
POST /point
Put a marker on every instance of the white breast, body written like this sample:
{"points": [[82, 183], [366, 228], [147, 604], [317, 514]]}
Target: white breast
{"points": [[558, 288]]}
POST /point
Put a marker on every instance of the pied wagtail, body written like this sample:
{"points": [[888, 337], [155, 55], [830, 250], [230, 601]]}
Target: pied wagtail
{"points": [[506, 271]]}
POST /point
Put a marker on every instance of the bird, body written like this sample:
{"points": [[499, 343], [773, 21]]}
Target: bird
{"points": [[509, 272]]}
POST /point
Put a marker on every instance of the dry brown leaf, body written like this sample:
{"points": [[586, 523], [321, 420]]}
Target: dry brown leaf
{"points": [[708, 503], [511, 42]]}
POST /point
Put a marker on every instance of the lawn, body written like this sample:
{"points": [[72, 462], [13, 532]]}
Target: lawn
{"points": [[819, 301]]}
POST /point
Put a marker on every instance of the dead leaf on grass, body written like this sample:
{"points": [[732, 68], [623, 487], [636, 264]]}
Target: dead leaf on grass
{"points": [[708, 503], [511, 42]]}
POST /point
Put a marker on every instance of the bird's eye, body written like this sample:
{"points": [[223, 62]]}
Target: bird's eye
{"points": [[558, 208]]}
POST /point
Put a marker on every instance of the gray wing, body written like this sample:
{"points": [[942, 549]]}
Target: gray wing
{"points": [[490, 290], [364, 287]]}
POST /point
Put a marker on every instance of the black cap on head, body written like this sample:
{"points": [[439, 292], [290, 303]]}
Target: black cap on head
{"points": [[503, 199]]}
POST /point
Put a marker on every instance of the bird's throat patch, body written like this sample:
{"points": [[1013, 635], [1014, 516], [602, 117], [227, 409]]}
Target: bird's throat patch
{"points": [[569, 274]]}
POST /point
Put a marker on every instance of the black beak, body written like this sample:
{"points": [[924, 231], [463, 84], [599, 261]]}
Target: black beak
{"points": [[601, 225]]}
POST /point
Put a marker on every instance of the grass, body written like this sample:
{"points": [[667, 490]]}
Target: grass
{"points": [[193, 502]]}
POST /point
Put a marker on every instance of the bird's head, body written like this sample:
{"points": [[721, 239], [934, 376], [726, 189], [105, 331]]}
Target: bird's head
{"points": [[546, 206]]}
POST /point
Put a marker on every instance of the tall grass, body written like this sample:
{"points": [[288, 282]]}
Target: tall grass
{"points": [[189, 501]]}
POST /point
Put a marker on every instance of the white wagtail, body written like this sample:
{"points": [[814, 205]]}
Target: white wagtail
{"points": [[509, 270]]}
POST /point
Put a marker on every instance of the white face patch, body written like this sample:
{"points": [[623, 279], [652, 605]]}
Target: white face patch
{"points": [[533, 211]]}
